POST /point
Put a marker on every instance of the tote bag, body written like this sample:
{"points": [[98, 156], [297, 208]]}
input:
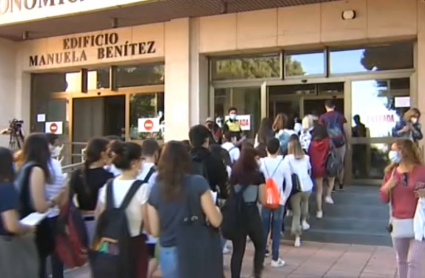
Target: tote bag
{"points": [[198, 244], [18, 257]]}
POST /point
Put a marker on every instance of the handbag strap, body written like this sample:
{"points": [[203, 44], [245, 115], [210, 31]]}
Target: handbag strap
{"points": [[194, 212], [390, 198]]}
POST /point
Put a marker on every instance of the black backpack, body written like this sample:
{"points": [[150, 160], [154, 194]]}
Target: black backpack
{"points": [[111, 256], [231, 212], [199, 167], [333, 164]]}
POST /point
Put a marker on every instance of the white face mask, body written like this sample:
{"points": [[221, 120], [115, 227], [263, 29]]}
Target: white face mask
{"points": [[414, 120], [55, 151]]}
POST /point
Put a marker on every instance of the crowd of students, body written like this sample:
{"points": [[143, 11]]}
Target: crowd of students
{"points": [[171, 200]]}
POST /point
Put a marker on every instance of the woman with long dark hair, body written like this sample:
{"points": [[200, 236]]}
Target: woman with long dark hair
{"points": [[168, 207], [86, 182], [265, 133], [283, 131], [246, 176], [128, 160], [31, 182]]}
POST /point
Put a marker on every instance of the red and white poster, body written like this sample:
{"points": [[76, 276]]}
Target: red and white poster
{"points": [[244, 120], [148, 125], [53, 127]]}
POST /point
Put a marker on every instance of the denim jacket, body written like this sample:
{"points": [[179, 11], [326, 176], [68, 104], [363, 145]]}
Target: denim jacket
{"points": [[415, 135]]}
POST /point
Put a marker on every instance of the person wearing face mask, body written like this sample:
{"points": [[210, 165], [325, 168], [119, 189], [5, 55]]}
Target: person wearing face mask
{"points": [[409, 127], [403, 185], [233, 126], [53, 188]]}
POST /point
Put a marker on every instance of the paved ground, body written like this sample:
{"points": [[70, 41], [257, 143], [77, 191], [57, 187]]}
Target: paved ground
{"points": [[316, 260]]}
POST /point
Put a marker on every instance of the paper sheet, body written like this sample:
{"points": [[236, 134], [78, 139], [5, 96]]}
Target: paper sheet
{"points": [[34, 218], [214, 196]]}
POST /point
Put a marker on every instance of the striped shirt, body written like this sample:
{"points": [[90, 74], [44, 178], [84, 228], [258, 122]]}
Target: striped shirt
{"points": [[58, 182]]}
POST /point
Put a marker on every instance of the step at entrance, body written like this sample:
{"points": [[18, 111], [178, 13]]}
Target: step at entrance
{"points": [[357, 217]]}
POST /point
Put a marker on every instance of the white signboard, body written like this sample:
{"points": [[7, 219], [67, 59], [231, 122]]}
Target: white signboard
{"points": [[244, 120], [148, 125], [402, 102], [53, 127], [41, 118]]}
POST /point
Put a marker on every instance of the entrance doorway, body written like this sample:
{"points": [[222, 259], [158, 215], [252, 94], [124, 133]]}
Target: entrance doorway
{"points": [[97, 116], [299, 100]]}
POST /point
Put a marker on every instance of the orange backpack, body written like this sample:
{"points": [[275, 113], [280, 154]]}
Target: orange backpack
{"points": [[272, 190]]}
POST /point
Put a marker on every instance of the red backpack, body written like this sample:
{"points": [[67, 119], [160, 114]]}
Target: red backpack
{"points": [[71, 239]]}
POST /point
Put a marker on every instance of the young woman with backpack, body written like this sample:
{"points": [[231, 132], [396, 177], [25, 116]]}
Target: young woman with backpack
{"points": [[16, 240], [247, 180], [86, 182], [121, 214], [318, 151], [189, 246], [283, 131]]}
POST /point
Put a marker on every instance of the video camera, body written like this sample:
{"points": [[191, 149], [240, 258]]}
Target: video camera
{"points": [[15, 125]]}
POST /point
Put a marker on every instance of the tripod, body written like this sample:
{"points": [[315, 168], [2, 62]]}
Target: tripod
{"points": [[16, 139]]}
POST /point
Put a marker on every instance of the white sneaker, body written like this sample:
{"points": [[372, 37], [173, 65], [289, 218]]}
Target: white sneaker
{"points": [[278, 263], [328, 199], [305, 225], [297, 242], [226, 250], [319, 214]]}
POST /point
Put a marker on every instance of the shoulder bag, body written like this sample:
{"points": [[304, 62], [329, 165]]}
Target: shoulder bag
{"points": [[198, 244]]}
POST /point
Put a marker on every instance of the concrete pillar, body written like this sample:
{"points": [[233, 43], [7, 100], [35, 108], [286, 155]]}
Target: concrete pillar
{"points": [[7, 84], [186, 79], [177, 81], [420, 66]]}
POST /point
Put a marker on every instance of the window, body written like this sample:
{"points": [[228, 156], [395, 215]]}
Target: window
{"points": [[373, 58], [45, 84], [264, 66], [301, 64], [144, 106], [248, 103], [380, 104], [98, 79], [140, 75]]}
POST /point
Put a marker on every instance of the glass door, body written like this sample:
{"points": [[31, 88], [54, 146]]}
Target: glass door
{"points": [[247, 100], [376, 106]]}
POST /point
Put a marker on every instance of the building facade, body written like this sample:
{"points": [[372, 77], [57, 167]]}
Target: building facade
{"points": [[157, 79]]}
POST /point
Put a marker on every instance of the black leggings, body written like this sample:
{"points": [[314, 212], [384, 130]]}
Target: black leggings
{"points": [[253, 229]]}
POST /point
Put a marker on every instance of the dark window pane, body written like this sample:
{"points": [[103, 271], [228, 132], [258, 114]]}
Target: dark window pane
{"points": [[298, 64], [98, 79], [372, 58], [369, 160], [308, 89], [264, 66], [140, 75], [44, 84], [330, 88], [146, 106]]}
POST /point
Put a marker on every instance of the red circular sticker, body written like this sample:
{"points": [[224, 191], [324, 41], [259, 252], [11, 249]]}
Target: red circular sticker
{"points": [[148, 125], [53, 128]]}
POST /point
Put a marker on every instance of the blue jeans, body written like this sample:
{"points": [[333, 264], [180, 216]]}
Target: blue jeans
{"points": [[168, 262], [275, 219]]}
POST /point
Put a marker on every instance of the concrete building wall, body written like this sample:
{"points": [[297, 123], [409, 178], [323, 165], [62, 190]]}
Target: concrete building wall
{"points": [[184, 44]]}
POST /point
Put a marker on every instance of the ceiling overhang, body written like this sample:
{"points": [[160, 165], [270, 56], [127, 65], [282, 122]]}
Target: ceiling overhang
{"points": [[138, 13]]}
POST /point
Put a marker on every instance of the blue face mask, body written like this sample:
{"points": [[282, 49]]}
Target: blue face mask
{"points": [[394, 156], [232, 117]]}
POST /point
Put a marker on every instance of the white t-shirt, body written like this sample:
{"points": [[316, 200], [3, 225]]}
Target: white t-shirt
{"points": [[145, 170], [58, 182], [229, 170], [133, 211], [234, 151], [302, 168], [113, 170], [274, 167]]}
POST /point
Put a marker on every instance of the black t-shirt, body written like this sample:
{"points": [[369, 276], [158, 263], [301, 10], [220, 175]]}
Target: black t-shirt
{"points": [[87, 191]]}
